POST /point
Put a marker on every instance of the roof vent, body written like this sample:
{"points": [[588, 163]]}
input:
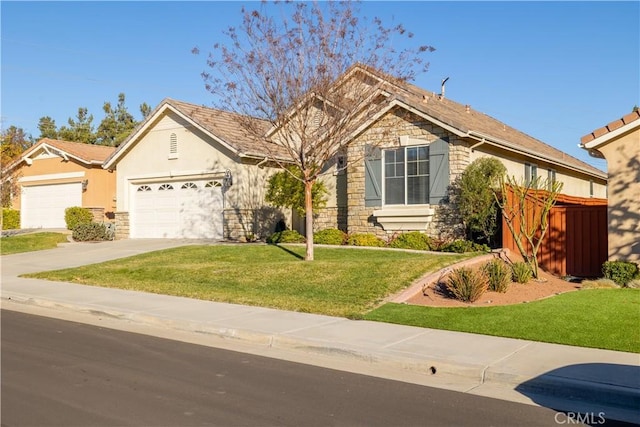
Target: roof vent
{"points": [[442, 90], [467, 108]]}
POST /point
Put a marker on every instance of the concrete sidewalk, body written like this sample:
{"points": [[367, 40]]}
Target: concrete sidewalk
{"points": [[565, 378]]}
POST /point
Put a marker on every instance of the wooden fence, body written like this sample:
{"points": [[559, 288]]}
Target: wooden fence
{"points": [[576, 241]]}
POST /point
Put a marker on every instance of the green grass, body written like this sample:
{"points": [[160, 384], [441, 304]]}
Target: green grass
{"points": [[599, 318], [340, 282], [30, 242]]}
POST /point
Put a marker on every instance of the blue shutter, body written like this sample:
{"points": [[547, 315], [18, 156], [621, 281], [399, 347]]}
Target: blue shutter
{"points": [[372, 177], [438, 170]]}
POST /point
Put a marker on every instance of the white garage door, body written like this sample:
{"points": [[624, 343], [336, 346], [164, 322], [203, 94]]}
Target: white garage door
{"points": [[185, 209], [42, 206]]}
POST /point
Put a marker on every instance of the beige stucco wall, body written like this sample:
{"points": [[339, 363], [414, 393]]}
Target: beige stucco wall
{"points": [[198, 157], [48, 169], [574, 183], [623, 163]]}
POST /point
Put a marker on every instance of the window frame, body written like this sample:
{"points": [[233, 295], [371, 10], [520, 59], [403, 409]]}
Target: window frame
{"points": [[424, 177]]}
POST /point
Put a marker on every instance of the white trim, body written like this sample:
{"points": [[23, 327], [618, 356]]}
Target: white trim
{"points": [[172, 175], [51, 176], [593, 144]]}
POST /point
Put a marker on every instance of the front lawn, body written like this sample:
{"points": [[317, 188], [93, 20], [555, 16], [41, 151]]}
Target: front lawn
{"points": [[340, 282], [600, 318], [30, 242]]}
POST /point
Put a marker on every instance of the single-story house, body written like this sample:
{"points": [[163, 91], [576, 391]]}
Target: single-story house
{"points": [[53, 175], [174, 172], [619, 143]]}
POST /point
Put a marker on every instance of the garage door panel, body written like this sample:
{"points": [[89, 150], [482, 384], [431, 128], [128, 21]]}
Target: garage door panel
{"points": [[43, 206], [191, 209]]}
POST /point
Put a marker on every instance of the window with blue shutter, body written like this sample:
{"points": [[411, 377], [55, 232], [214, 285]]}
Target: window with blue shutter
{"points": [[413, 175]]}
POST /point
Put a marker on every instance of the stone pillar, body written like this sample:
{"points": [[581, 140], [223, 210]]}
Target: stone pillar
{"points": [[122, 225]]}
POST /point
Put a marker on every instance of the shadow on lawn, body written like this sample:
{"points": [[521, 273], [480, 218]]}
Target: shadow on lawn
{"points": [[289, 251], [611, 392]]}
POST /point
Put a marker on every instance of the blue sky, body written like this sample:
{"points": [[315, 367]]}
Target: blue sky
{"points": [[554, 70]]}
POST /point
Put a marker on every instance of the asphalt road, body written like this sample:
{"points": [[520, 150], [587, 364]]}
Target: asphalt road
{"points": [[62, 373]]}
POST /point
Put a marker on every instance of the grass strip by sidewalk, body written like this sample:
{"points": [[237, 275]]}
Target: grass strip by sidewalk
{"points": [[598, 318], [30, 242], [340, 282]]}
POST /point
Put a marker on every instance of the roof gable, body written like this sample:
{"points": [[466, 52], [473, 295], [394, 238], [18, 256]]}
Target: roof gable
{"points": [[604, 134], [222, 126], [86, 154]]}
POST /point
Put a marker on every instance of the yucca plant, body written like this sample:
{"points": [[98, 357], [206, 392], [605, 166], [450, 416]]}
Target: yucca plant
{"points": [[498, 274], [466, 284], [521, 272]]}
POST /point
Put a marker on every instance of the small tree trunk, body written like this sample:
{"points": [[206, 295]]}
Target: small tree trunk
{"points": [[308, 209]]}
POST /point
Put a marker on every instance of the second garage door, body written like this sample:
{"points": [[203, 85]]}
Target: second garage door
{"points": [[43, 206], [185, 209]]}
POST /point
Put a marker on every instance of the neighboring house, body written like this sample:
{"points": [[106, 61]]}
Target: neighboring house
{"points": [[53, 175], [171, 170], [189, 171], [619, 143]]}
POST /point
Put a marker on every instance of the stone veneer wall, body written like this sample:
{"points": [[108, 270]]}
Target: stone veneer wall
{"points": [[334, 217], [122, 225], [251, 224], [385, 134], [97, 214]]}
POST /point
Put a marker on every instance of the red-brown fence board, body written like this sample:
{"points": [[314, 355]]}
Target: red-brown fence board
{"points": [[576, 240]]}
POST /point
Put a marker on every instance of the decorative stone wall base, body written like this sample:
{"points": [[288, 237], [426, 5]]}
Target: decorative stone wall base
{"points": [[251, 224], [122, 225]]}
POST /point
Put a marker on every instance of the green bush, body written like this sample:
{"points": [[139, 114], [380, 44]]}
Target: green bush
{"points": [[92, 231], [286, 236], [413, 240], [76, 215], [365, 239], [521, 272], [10, 219], [330, 236], [462, 246], [466, 284], [621, 272], [498, 274]]}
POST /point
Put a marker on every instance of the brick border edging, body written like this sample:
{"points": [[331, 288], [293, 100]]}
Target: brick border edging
{"points": [[432, 277]]}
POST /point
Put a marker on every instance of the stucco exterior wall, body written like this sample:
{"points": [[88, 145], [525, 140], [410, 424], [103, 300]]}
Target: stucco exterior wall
{"points": [[574, 183], [623, 163], [199, 156]]}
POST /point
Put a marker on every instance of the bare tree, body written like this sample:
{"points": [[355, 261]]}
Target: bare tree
{"points": [[308, 70], [525, 207]]}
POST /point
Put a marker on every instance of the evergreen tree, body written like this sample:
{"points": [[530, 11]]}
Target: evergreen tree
{"points": [[79, 130], [117, 123], [47, 127]]}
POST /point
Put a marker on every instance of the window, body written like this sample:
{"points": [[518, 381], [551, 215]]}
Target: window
{"points": [[165, 187], [409, 175], [188, 185], [590, 188], [144, 188], [173, 146], [530, 173], [213, 184], [406, 176], [551, 178]]}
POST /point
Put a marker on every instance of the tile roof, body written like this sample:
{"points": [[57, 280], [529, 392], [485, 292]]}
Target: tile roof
{"points": [[471, 122], [616, 124], [88, 153]]}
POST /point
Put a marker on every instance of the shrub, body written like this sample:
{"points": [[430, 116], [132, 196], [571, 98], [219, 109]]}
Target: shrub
{"points": [[521, 272], [466, 284], [76, 215], [462, 246], [10, 219], [365, 239], [498, 274], [621, 272], [599, 284], [330, 236], [286, 236], [91, 232], [413, 240]]}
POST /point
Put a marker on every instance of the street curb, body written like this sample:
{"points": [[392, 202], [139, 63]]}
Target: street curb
{"points": [[549, 386]]}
